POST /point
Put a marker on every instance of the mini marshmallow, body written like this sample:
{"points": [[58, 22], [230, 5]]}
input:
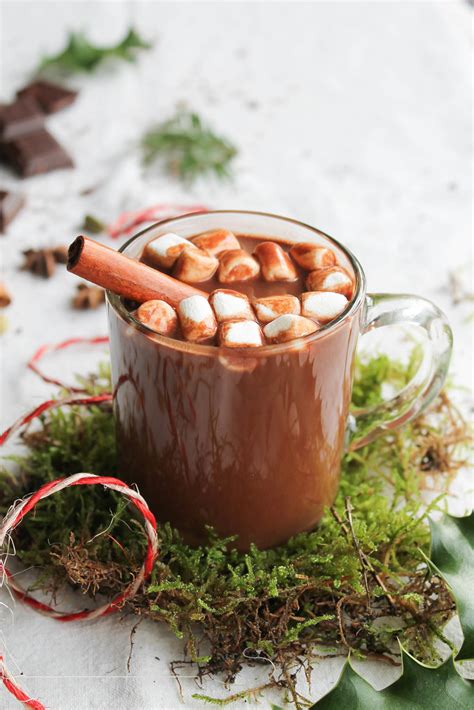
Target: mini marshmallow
{"points": [[311, 256], [230, 305], [197, 319], [240, 334], [216, 241], [288, 327], [331, 278], [237, 265], [324, 306], [276, 264], [159, 316], [163, 251], [270, 307], [195, 265]]}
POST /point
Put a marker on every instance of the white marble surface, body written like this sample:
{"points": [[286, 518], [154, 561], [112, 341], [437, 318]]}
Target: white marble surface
{"points": [[354, 117]]}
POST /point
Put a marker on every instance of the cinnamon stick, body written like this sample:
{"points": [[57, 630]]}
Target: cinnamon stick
{"points": [[124, 276]]}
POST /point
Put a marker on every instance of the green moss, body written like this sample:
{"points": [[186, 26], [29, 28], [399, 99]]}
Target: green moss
{"points": [[332, 588]]}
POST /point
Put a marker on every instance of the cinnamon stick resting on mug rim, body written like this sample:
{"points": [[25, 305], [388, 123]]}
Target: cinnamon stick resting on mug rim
{"points": [[124, 276]]}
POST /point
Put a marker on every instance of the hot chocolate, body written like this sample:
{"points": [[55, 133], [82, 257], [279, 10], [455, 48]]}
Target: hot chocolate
{"points": [[232, 360], [245, 440]]}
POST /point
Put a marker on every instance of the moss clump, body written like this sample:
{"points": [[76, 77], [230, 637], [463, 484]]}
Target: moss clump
{"points": [[358, 581]]}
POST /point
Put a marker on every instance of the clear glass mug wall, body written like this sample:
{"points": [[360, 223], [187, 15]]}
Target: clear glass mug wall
{"points": [[251, 442]]}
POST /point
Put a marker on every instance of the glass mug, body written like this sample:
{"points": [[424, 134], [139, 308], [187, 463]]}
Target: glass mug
{"points": [[250, 442]]}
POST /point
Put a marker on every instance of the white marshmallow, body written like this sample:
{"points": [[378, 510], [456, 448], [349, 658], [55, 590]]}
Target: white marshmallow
{"points": [[275, 263], [216, 241], [197, 319], [240, 334], [230, 305], [323, 305], [159, 316], [288, 327], [270, 307], [163, 251], [331, 278], [312, 256], [195, 265], [237, 265]]}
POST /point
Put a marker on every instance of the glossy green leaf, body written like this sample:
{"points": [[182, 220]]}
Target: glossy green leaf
{"points": [[419, 688], [452, 554]]}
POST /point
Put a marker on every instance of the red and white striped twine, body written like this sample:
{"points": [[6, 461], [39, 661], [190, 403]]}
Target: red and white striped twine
{"points": [[32, 363], [128, 221], [20, 509]]}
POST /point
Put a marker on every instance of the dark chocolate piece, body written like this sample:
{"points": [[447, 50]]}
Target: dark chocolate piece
{"points": [[10, 204], [50, 97], [20, 117], [36, 153]]}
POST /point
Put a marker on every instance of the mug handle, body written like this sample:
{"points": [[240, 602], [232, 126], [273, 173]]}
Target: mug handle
{"points": [[382, 309]]}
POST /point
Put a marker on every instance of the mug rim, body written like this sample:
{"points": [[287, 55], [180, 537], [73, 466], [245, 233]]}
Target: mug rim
{"points": [[114, 301]]}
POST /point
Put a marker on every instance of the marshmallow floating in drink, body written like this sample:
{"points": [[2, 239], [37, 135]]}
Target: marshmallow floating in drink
{"points": [[311, 256], [195, 265], [324, 306], [240, 334], [230, 305], [237, 265], [270, 307], [216, 241], [331, 278], [164, 251], [197, 319], [288, 327], [275, 263], [159, 316]]}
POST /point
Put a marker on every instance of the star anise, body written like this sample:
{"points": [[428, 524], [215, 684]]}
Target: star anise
{"points": [[42, 262], [88, 297]]}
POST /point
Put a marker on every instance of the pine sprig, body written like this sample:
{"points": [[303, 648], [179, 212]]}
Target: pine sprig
{"points": [[188, 147], [80, 55]]}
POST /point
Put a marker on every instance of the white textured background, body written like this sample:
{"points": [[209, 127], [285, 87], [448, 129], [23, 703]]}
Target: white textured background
{"points": [[354, 117]]}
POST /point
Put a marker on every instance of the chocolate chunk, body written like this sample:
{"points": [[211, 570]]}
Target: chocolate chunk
{"points": [[50, 97], [36, 153], [10, 204], [20, 117]]}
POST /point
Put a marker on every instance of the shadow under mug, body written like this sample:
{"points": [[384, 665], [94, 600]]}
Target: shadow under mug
{"points": [[250, 442]]}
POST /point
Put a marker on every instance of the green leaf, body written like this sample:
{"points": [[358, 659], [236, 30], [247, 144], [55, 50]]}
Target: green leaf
{"points": [[80, 55], [452, 554], [93, 224], [188, 147], [419, 688]]}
